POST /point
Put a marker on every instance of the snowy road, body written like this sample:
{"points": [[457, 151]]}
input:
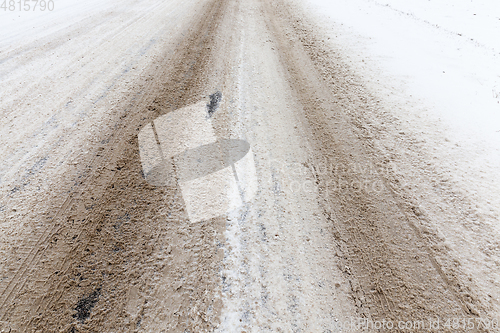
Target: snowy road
{"points": [[345, 201]]}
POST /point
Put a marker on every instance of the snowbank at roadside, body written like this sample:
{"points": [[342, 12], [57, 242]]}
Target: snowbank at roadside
{"points": [[435, 65], [438, 63]]}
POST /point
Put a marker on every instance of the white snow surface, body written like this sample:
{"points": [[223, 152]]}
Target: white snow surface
{"points": [[19, 27], [437, 63]]}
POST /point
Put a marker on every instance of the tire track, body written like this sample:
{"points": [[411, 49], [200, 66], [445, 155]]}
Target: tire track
{"points": [[178, 82], [393, 272]]}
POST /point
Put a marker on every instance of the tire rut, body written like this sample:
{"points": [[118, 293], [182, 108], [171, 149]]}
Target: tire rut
{"points": [[117, 234], [393, 272]]}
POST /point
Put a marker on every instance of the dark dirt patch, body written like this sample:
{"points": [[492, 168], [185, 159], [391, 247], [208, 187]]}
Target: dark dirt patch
{"points": [[215, 99], [85, 305]]}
